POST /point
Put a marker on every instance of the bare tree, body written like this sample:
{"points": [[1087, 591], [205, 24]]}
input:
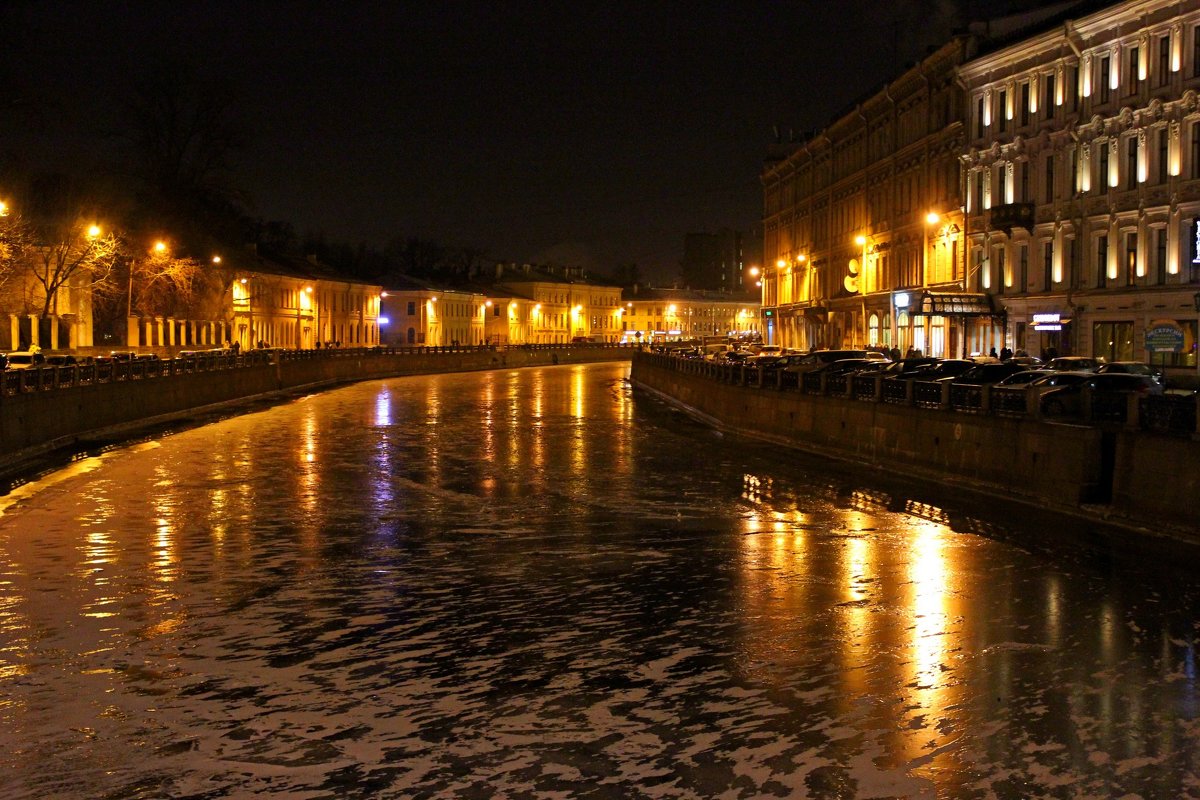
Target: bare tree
{"points": [[16, 242], [166, 285], [73, 254]]}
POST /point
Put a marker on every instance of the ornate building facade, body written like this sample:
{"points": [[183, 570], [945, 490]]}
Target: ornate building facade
{"points": [[1083, 183], [863, 223]]}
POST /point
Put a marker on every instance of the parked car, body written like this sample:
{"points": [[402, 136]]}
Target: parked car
{"points": [[818, 359], [1069, 399], [1132, 368], [1025, 377], [985, 374], [25, 359], [61, 360], [1055, 380], [944, 368], [904, 368], [731, 357], [1075, 363]]}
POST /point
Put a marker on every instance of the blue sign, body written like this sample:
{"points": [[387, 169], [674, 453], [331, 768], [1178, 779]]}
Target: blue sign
{"points": [[1164, 337]]}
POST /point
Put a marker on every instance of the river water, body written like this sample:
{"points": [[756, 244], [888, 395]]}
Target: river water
{"points": [[539, 583]]}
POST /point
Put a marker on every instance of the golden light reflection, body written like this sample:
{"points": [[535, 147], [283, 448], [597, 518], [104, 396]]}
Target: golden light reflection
{"points": [[489, 417], [308, 475], [927, 572]]}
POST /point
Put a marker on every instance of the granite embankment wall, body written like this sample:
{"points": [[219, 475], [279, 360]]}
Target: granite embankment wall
{"points": [[1137, 478], [83, 403]]}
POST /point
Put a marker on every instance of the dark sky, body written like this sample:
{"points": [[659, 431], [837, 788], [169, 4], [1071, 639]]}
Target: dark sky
{"points": [[598, 134]]}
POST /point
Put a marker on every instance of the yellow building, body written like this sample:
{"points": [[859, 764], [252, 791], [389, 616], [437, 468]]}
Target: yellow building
{"points": [[557, 305], [420, 314], [300, 304], [525, 305], [674, 314], [863, 222]]}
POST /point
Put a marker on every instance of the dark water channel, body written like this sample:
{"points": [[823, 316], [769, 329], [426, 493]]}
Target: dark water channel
{"points": [[536, 583]]}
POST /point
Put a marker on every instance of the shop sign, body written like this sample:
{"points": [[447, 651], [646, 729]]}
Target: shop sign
{"points": [[1164, 336], [1048, 322]]}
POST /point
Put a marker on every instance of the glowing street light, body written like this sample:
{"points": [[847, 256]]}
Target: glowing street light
{"points": [[3, 209]]}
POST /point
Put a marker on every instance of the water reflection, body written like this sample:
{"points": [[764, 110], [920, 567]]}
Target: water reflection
{"points": [[535, 582]]}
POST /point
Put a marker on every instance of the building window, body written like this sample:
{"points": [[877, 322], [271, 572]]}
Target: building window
{"points": [[1048, 96], [412, 308], [1072, 88], [1025, 197], [1134, 69], [1163, 156], [1160, 255], [1164, 60], [1022, 280], [1105, 72], [1196, 52], [1001, 270], [1048, 264], [1101, 261], [1113, 340], [1049, 178], [1025, 103], [1195, 170], [1102, 182], [1131, 159], [1131, 245], [979, 118]]}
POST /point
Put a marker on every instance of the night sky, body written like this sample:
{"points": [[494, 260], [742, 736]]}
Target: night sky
{"points": [[593, 134]]}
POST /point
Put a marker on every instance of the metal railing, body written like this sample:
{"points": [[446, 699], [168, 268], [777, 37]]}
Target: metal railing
{"points": [[1175, 415], [52, 378]]}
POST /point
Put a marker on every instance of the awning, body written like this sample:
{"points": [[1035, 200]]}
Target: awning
{"points": [[954, 304]]}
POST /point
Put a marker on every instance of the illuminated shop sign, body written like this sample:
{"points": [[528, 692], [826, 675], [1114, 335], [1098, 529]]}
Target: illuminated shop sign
{"points": [[1048, 322], [1164, 336]]}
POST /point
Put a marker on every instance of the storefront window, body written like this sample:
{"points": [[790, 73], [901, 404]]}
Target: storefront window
{"points": [[1113, 341], [1184, 358]]}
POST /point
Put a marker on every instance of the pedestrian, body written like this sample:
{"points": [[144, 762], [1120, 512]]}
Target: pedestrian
{"points": [[992, 352], [1006, 353]]}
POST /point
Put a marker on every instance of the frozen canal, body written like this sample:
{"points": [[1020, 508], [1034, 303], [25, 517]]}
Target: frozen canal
{"points": [[534, 584]]}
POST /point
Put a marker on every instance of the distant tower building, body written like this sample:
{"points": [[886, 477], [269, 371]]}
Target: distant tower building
{"points": [[718, 261]]}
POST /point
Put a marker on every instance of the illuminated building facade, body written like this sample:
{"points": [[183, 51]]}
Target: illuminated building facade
{"points": [[523, 306], [1083, 183], [863, 224], [297, 304], [652, 315]]}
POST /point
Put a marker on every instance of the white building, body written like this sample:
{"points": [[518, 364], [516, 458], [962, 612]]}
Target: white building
{"points": [[1082, 179]]}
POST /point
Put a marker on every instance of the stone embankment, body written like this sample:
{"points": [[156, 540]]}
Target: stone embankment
{"points": [[43, 410], [992, 444]]}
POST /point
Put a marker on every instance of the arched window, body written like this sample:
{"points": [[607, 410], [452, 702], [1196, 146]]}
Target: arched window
{"points": [[873, 325], [412, 335]]}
